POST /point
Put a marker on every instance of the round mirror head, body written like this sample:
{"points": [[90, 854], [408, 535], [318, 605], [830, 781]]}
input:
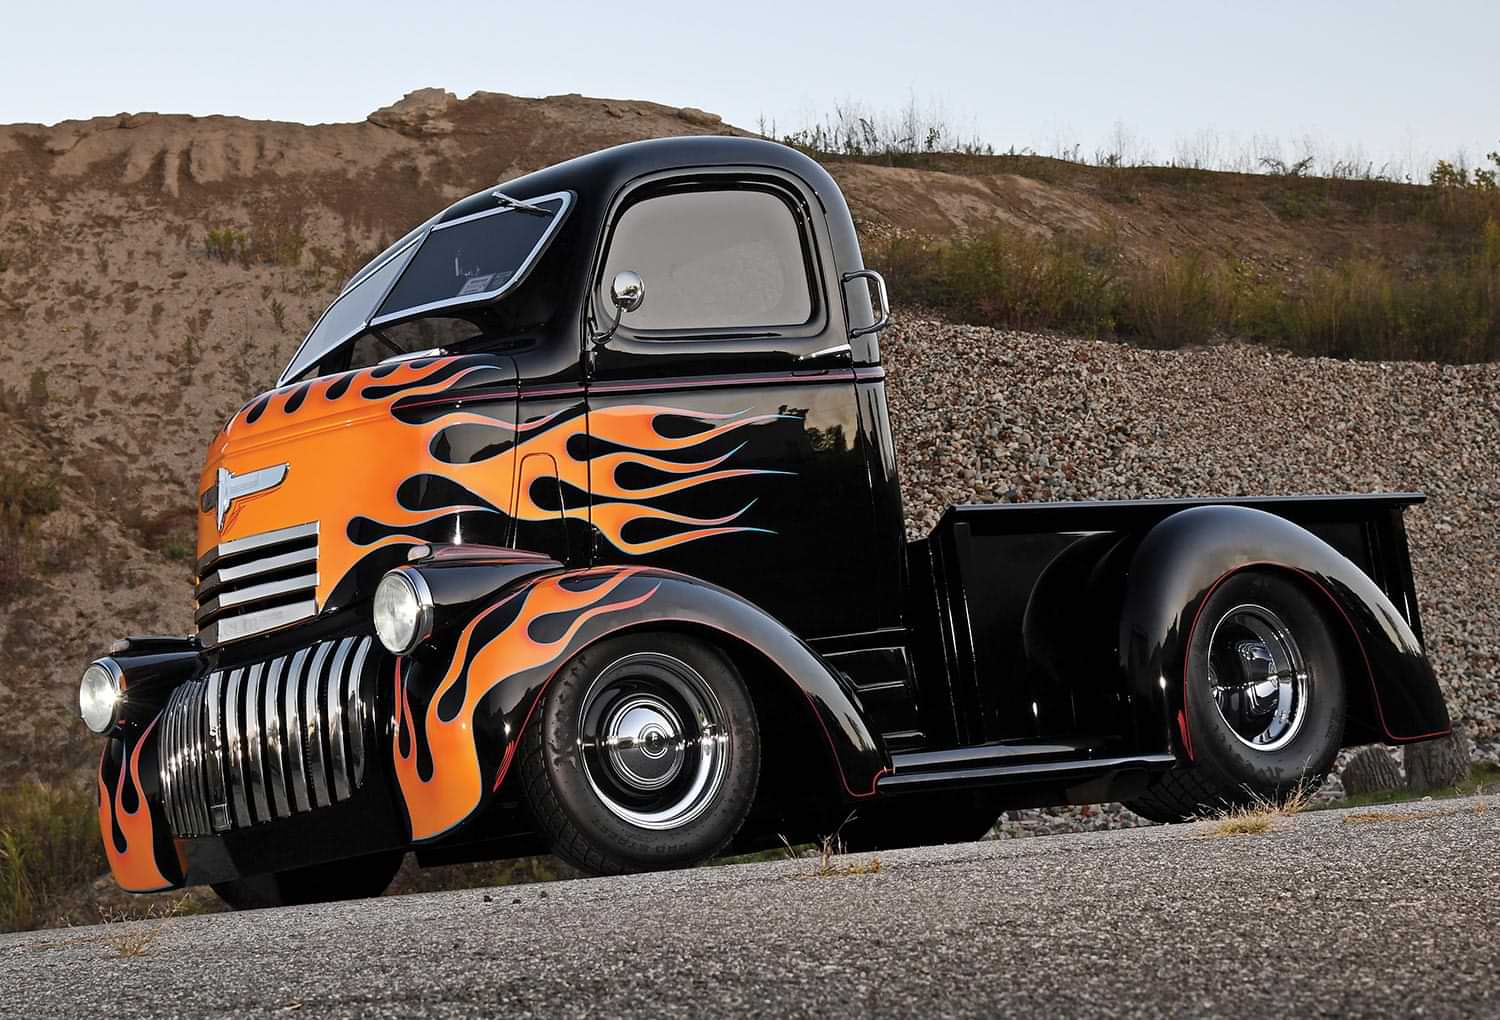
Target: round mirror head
{"points": [[627, 290]]}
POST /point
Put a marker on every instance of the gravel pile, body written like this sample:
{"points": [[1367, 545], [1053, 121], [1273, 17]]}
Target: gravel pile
{"points": [[992, 415]]}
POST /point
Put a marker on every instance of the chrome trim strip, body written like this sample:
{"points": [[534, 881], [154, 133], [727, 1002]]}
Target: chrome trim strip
{"points": [[234, 754], [312, 721], [360, 709], [233, 628], [254, 593], [239, 545], [255, 770], [275, 772], [334, 707], [224, 575], [296, 775]]}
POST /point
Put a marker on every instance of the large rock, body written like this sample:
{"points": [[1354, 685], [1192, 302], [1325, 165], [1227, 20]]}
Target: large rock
{"points": [[1372, 770], [1434, 764]]}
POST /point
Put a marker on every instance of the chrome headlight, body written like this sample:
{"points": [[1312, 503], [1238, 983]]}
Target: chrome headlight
{"points": [[99, 695], [403, 611]]}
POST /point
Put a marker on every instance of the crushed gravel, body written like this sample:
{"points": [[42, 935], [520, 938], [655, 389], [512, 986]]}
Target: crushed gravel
{"points": [[995, 415]]}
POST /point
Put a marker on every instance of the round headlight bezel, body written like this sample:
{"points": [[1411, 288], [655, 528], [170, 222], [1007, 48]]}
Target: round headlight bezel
{"points": [[413, 588], [101, 691]]}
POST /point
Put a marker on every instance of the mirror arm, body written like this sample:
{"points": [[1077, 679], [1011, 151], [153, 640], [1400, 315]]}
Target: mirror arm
{"points": [[600, 339]]}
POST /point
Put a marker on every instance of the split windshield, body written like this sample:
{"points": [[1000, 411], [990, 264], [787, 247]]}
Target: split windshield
{"points": [[461, 264]]}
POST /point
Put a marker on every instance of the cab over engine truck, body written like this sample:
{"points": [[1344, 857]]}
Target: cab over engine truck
{"points": [[574, 524]]}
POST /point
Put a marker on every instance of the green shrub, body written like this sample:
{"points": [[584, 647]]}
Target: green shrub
{"points": [[1006, 277], [227, 244], [1175, 301], [1446, 310], [49, 847]]}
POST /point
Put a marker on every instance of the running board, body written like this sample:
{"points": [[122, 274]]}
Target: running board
{"points": [[992, 770]]}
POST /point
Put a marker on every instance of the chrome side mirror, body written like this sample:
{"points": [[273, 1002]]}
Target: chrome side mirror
{"points": [[627, 292]]}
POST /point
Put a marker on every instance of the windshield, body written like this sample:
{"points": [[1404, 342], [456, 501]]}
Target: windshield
{"points": [[470, 261]]}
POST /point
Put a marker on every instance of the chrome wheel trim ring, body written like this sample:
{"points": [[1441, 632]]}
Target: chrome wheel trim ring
{"points": [[1258, 677], [653, 740]]}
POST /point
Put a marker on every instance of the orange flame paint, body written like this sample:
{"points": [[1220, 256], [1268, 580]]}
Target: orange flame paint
{"points": [[437, 804], [136, 869], [348, 455]]}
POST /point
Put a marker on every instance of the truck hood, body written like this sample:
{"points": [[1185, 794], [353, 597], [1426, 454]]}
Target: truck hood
{"points": [[354, 456]]}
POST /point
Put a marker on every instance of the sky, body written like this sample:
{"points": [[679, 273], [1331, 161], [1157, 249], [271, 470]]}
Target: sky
{"points": [[1375, 81]]}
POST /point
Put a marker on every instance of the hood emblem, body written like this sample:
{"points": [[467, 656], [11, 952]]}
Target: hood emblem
{"points": [[230, 487]]}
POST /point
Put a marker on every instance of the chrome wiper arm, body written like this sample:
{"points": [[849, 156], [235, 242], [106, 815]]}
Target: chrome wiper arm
{"points": [[516, 203]]}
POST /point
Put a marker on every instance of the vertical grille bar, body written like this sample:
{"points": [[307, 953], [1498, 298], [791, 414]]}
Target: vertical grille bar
{"points": [[208, 758], [234, 754], [255, 769], [167, 755], [295, 774], [275, 773], [357, 707], [333, 700], [312, 723]]}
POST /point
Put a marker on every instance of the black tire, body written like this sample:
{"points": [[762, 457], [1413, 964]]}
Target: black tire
{"points": [[1233, 765], [918, 819], [590, 798], [354, 879]]}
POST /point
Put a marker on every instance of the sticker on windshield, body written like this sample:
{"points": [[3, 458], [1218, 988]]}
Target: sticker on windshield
{"points": [[476, 285]]}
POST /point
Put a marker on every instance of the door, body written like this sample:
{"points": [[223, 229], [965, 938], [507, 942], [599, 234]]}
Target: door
{"points": [[722, 420]]}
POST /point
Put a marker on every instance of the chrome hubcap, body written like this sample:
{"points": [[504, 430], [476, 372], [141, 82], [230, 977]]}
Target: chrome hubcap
{"points": [[1258, 677], [653, 740]]}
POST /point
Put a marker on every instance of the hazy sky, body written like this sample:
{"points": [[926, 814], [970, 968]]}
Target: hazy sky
{"points": [[1408, 80]]}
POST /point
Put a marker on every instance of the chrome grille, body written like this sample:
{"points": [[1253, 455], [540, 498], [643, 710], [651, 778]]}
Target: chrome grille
{"points": [[251, 585], [268, 740]]}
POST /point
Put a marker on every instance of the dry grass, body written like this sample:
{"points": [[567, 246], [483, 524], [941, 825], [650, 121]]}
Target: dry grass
{"points": [[133, 943], [1260, 814], [1368, 817], [49, 847], [826, 858]]}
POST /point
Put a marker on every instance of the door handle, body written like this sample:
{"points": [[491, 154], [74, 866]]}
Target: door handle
{"points": [[885, 301]]}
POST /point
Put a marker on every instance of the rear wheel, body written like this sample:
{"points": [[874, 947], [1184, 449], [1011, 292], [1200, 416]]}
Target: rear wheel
{"points": [[321, 883], [645, 755], [1265, 701]]}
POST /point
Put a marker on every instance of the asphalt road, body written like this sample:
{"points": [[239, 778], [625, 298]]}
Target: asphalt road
{"points": [[1388, 913]]}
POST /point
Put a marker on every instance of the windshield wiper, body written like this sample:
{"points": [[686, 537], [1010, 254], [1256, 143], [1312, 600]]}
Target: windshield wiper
{"points": [[516, 203]]}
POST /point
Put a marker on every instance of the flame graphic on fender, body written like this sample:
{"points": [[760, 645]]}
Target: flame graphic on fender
{"points": [[479, 665], [352, 440], [134, 865]]}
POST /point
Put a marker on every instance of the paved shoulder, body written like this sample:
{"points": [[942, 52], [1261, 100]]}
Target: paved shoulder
{"points": [[1374, 912]]}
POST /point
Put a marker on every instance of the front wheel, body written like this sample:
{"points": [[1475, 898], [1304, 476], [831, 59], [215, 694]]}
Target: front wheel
{"points": [[1265, 701], [645, 755]]}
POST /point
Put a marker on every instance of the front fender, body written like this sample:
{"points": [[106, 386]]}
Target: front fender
{"points": [[461, 710], [1182, 559]]}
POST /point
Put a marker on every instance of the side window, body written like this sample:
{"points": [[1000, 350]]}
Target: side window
{"points": [[712, 260]]}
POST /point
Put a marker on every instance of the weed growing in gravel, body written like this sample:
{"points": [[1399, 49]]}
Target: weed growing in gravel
{"points": [[826, 859], [133, 943], [1258, 815]]}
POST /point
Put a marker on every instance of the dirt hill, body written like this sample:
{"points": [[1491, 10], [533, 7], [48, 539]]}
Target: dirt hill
{"points": [[156, 270]]}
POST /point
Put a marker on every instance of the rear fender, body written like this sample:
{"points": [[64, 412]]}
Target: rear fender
{"points": [[462, 707], [1184, 558]]}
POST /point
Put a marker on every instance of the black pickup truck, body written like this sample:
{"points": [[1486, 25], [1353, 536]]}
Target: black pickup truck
{"points": [[574, 524]]}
